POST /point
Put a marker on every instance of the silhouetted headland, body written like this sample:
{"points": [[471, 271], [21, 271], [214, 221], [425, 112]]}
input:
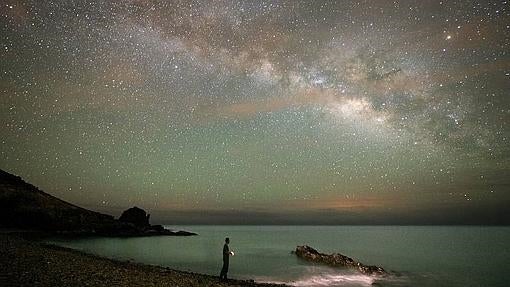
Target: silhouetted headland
{"points": [[24, 206]]}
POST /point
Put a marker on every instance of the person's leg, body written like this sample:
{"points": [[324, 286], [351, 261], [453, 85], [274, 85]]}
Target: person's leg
{"points": [[226, 269], [223, 273]]}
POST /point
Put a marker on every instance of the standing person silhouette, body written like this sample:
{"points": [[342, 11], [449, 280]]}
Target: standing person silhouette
{"points": [[226, 258]]}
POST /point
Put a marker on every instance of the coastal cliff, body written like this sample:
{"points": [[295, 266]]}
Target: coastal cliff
{"points": [[24, 206]]}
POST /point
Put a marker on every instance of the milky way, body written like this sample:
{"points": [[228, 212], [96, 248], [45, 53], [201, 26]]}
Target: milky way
{"points": [[262, 111]]}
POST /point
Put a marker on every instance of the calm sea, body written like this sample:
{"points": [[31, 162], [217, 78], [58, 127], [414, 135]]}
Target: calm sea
{"points": [[416, 255]]}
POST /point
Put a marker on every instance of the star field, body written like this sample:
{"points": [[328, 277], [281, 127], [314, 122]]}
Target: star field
{"points": [[379, 109]]}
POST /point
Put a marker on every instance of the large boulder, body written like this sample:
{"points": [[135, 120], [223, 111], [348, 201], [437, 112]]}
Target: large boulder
{"points": [[336, 260], [136, 216], [135, 222]]}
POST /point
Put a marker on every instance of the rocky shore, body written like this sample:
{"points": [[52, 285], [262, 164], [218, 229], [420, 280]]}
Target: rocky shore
{"points": [[30, 263]]}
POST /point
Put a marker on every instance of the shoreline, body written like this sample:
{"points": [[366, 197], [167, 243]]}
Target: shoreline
{"points": [[24, 261]]}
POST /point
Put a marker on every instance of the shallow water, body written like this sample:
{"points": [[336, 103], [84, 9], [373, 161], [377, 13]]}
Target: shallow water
{"points": [[416, 255]]}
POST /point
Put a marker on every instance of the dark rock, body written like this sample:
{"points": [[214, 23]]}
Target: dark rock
{"points": [[336, 260], [138, 221], [158, 228], [184, 233], [136, 216]]}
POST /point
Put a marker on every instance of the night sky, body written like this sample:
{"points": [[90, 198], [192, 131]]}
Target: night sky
{"points": [[326, 112]]}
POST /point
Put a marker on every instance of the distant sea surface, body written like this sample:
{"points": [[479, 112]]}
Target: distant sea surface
{"points": [[416, 255]]}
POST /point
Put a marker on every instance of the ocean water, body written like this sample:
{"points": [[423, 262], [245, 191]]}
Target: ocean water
{"points": [[415, 255]]}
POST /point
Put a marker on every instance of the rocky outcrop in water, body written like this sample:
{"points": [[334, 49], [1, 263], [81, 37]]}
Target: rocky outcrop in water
{"points": [[336, 260], [138, 221]]}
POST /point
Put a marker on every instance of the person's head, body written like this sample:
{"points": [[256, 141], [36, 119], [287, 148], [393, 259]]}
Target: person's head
{"points": [[227, 240]]}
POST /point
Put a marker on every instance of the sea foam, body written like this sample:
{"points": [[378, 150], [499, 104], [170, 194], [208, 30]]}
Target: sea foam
{"points": [[334, 280], [327, 279]]}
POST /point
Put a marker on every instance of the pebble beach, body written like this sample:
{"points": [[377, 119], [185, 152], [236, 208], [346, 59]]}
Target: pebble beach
{"points": [[25, 262]]}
